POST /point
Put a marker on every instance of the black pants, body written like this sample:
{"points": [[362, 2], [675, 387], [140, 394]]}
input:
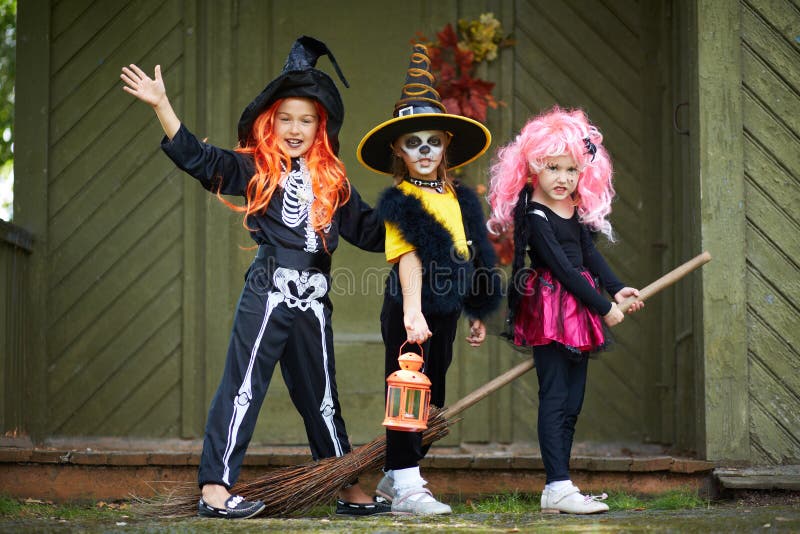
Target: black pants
{"points": [[404, 449], [283, 315], [562, 383]]}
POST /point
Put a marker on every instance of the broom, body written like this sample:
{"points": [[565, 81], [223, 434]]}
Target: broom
{"points": [[297, 489]]}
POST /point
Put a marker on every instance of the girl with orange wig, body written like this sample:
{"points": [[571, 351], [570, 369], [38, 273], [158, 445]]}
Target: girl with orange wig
{"points": [[298, 201]]}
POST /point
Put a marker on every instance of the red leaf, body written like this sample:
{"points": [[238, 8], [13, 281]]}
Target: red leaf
{"points": [[478, 108], [451, 105], [503, 244], [447, 37], [464, 60]]}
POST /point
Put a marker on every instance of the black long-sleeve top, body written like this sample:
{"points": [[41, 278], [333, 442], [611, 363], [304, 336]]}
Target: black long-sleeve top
{"points": [[229, 172], [565, 246]]}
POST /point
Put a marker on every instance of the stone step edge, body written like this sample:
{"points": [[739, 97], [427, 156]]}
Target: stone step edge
{"points": [[779, 477], [433, 460]]}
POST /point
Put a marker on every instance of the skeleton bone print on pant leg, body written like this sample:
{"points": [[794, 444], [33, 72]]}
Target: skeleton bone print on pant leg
{"points": [[301, 290], [310, 287], [241, 403]]}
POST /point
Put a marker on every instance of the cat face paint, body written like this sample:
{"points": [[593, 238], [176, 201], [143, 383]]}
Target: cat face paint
{"points": [[422, 152]]}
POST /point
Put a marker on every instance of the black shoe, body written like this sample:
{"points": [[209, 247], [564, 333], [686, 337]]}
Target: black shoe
{"points": [[377, 506], [235, 508]]}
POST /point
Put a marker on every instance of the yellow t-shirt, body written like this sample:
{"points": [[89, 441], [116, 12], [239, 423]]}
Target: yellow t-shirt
{"points": [[443, 206]]}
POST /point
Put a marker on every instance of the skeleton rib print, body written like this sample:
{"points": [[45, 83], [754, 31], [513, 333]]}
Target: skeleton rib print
{"points": [[298, 195]]}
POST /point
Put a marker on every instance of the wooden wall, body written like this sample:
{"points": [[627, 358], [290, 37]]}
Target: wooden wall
{"points": [[746, 155], [770, 54], [115, 236]]}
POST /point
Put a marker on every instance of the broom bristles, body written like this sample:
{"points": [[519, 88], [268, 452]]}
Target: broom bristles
{"points": [[296, 489]]}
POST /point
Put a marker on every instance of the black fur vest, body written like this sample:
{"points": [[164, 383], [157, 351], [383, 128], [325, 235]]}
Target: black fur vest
{"points": [[450, 283]]}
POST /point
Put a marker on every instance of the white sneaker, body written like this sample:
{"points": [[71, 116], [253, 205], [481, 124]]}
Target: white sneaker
{"points": [[570, 501], [386, 487], [418, 500]]}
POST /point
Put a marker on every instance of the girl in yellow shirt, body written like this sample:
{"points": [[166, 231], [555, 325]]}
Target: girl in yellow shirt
{"points": [[443, 261]]}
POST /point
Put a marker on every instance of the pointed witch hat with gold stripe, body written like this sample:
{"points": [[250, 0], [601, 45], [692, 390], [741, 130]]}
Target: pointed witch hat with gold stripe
{"points": [[419, 109]]}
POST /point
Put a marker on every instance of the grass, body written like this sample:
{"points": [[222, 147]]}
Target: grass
{"points": [[503, 503], [35, 509], [515, 503], [678, 500], [671, 500]]}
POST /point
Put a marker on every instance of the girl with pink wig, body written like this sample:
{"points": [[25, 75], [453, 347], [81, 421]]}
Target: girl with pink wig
{"points": [[553, 185]]}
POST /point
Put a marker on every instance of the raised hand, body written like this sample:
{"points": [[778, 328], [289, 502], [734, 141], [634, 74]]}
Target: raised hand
{"points": [[151, 91], [148, 90]]}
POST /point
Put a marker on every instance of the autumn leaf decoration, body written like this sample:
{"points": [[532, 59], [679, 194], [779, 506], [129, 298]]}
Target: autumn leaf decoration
{"points": [[454, 59]]}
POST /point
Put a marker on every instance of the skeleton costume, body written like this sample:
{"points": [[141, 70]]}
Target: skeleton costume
{"points": [[284, 313], [446, 230]]}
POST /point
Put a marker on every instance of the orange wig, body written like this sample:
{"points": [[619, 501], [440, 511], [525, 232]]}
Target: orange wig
{"points": [[329, 181]]}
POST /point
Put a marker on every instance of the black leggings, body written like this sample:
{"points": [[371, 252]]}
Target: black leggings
{"points": [[562, 383]]}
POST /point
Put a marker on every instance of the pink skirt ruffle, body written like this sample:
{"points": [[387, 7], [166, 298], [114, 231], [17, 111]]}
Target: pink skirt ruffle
{"points": [[547, 312]]}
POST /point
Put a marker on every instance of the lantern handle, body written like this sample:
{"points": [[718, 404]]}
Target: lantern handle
{"points": [[421, 351]]}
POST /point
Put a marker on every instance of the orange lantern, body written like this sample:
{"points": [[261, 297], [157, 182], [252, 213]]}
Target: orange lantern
{"points": [[408, 396]]}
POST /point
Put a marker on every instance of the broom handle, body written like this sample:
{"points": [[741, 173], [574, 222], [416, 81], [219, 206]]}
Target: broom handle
{"points": [[522, 368], [666, 280]]}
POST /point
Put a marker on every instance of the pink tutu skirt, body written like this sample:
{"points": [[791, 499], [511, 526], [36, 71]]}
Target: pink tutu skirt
{"points": [[547, 312]]}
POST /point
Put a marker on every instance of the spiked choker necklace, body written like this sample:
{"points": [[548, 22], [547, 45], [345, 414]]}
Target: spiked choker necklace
{"points": [[438, 185]]}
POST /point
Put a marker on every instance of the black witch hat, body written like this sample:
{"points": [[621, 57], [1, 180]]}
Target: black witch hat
{"points": [[420, 108], [299, 78]]}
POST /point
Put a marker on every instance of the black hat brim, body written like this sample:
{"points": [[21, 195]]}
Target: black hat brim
{"points": [[470, 139], [310, 83]]}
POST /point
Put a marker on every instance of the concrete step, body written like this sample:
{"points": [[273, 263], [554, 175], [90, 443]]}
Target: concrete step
{"points": [[777, 477], [115, 469]]}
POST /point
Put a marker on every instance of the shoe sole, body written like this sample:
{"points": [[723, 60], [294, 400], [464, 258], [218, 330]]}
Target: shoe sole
{"points": [[341, 514], [257, 512], [385, 495], [409, 512], [557, 511], [211, 515]]}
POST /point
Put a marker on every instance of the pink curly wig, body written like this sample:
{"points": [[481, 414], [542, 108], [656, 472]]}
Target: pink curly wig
{"points": [[548, 135]]}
